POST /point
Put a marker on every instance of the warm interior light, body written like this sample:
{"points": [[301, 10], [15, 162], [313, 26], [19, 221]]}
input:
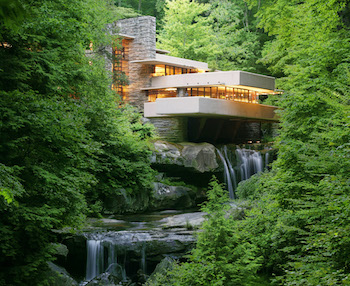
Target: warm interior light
{"points": [[5, 45], [159, 71]]}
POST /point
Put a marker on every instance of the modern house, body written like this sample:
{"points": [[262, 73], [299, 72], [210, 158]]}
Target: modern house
{"points": [[181, 97]]}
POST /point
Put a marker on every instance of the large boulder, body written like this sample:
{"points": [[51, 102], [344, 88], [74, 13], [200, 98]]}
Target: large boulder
{"points": [[161, 271], [105, 279], [187, 220], [172, 197], [199, 157], [120, 201], [59, 276]]}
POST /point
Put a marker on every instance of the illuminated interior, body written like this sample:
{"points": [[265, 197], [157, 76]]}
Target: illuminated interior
{"points": [[164, 70], [219, 92], [121, 67]]}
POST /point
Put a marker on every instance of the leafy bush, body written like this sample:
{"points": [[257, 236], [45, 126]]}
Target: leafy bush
{"points": [[223, 254], [65, 142]]}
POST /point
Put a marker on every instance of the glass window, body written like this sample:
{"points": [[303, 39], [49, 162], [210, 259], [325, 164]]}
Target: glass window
{"points": [[178, 70], [159, 70], [201, 91]]}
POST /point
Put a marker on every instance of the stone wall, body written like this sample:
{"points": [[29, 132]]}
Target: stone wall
{"points": [[172, 129], [142, 47]]}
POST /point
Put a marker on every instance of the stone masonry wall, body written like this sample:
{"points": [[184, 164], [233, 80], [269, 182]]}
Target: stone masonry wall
{"points": [[173, 129], [142, 47]]}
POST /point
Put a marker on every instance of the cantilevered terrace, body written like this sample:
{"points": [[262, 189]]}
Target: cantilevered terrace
{"points": [[182, 95]]}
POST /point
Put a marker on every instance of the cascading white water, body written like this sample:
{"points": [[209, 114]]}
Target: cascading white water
{"points": [[102, 256], [227, 174], [247, 163], [232, 171], [267, 155], [250, 162], [95, 259], [143, 259]]}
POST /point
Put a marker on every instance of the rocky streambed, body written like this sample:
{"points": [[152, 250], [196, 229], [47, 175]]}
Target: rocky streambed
{"points": [[126, 250]]}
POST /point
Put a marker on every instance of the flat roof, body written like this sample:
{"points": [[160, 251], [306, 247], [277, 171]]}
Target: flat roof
{"points": [[236, 79], [162, 59], [159, 51]]}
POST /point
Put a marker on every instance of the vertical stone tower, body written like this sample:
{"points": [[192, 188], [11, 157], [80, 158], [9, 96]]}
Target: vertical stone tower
{"points": [[139, 43]]}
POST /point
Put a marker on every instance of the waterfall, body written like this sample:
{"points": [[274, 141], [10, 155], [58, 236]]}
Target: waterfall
{"points": [[250, 162], [95, 259], [267, 160], [143, 259], [112, 256], [240, 165], [103, 255], [227, 174]]}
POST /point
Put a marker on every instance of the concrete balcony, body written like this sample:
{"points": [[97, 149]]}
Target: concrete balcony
{"points": [[236, 79], [209, 107]]}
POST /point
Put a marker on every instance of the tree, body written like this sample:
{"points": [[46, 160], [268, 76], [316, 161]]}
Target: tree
{"points": [[296, 220], [239, 40], [186, 31], [223, 254], [311, 42], [62, 132]]}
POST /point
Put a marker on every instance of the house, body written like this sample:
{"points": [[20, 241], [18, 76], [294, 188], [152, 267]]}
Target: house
{"points": [[181, 97]]}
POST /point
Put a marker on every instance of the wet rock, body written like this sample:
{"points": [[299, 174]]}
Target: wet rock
{"points": [[201, 157], [59, 276], [105, 279], [120, 201], [153, 244], [172, 197], [198, 157], [76, 258], [187, 220], [162, 269]]}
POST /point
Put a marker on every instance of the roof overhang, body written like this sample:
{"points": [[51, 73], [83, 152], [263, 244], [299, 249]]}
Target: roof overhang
{"points": [[235, 79], [159, 51], [162, 59]]}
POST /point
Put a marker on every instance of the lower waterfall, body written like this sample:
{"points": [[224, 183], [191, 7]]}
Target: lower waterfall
{"points": [[102, 257], [239, 165], [95, 259]]}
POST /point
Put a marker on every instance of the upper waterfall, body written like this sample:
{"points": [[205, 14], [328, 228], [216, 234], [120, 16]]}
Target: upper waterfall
{"points": [[239, 165]]}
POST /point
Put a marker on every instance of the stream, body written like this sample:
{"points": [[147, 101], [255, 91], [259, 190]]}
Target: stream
{"points": [[128, 248], [125, 249]]}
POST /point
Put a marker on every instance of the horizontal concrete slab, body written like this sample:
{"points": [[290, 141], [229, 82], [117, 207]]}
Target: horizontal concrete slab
{"points": [[210, 107], [238, 79], [162, 59]]}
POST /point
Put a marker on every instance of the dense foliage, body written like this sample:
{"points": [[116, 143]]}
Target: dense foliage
{"points": [[193, 38], [296, 217], [65, 143], [223, 33]]}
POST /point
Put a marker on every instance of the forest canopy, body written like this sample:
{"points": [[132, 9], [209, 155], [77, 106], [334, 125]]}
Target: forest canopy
{"points": [[67, 142]]}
